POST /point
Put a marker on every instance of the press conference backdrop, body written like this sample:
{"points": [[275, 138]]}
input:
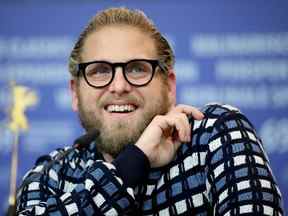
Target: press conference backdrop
{"points": [[233, 52]]}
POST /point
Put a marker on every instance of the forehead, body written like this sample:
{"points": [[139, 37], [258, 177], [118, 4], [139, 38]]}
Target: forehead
{"points": [[118, 43]]}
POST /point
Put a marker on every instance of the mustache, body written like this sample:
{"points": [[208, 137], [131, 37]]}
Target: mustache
{"points": [[129, 98]]}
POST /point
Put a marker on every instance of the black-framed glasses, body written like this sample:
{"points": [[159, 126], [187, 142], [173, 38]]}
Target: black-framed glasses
{"points": [[137, 72]]}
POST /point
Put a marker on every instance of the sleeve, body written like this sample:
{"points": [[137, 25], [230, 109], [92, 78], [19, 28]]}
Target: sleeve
{"points": [[239, 178], [97, 190]]}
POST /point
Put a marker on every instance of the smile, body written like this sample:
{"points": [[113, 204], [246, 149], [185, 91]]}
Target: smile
{"points": [[124, 108]]}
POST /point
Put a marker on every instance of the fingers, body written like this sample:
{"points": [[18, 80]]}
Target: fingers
{"points": [[188, 110], [175, 125], [165, 133], [176, 121], [182, 126]]}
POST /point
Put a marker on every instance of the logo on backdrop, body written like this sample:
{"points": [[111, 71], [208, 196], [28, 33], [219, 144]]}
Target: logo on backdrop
{"points": [[23, 97]]}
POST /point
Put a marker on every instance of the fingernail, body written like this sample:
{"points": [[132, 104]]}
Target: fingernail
{"points": [[200, 116]]}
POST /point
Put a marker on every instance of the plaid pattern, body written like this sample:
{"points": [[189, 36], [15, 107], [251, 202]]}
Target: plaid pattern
{"points": [[222, 171]]}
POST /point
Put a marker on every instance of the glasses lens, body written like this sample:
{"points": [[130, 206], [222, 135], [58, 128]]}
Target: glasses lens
{"points": [[139, 72], [98, 74]]}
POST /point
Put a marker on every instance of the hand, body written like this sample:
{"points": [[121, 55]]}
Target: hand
{"points": [[165, 133]]}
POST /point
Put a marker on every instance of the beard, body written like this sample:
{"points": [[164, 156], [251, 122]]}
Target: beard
{"points": [[114, 136]]}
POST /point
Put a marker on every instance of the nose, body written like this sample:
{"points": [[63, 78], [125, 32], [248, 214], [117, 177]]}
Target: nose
{"points": [[119, 84]]}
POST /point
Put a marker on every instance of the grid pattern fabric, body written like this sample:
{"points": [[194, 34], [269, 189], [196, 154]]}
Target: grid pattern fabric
{"points": [[222, 171]]}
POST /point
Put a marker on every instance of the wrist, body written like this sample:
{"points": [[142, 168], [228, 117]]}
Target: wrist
{"points": [[147, 150], [132, 165]]}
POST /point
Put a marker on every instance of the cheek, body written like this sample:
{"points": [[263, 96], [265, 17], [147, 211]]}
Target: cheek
{"points": [[91, 99]]}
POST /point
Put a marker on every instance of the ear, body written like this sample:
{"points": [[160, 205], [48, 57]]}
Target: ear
{"points": [[74, 94], [172, 86]]}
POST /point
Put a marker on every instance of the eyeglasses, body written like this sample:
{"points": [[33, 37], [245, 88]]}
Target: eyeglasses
{"points": [[137, 72]]}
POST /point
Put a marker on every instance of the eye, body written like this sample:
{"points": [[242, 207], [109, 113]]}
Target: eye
{"points": [[137, 68], [98, 69]]}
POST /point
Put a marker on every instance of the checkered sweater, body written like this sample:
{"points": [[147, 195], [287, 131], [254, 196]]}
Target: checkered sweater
{"points": [[222, 171]]}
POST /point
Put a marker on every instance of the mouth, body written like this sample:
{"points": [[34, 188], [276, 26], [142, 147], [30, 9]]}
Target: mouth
{"points": [[120, 108]]}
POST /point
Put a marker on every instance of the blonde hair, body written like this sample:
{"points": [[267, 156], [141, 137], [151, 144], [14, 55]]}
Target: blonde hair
{"points": [[122, 16]]}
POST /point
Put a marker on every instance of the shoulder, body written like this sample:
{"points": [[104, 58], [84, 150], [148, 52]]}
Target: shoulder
{"points": [[214, 113], [227, 128], [52, 164], [206, 133], [221, 120], [58, 155], [217, 110], [217, 114]]}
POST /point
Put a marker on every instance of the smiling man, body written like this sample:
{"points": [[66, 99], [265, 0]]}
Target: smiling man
{"points": [[148, 156], [127, 88]]}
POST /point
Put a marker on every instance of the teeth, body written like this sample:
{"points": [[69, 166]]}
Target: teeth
{"points": [[120, 108]]}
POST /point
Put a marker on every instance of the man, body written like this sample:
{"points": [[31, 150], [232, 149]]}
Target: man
{"points": [[144, 160]]}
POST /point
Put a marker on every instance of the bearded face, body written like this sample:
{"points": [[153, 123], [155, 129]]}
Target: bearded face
{"points": [[120, 111], [115, 135]]}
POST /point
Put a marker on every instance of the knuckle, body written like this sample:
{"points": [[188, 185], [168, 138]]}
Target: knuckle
{"points": [[182, 116], [158, 118]]}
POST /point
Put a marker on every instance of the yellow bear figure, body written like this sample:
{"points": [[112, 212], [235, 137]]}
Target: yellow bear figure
{"points": [[23, 97]]}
